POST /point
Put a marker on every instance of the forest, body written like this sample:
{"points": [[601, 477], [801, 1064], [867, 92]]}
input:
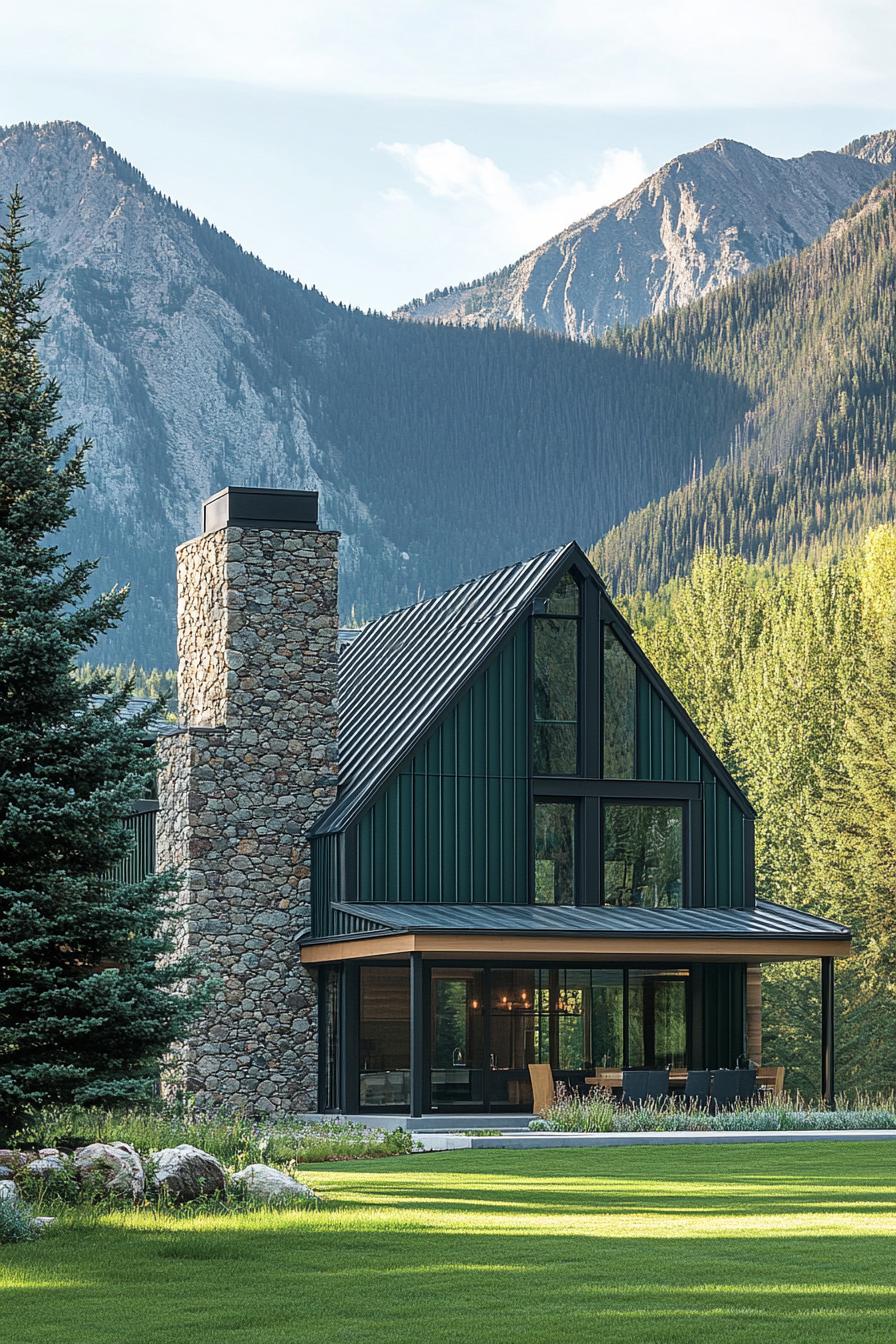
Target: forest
{"points": [[790, 673], [810, 342]]}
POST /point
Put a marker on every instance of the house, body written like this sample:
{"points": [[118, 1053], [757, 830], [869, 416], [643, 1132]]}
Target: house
{"points": [[508, 844]]}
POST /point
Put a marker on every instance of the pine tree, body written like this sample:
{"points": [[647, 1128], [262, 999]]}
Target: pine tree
{"points": [[90, 992]]}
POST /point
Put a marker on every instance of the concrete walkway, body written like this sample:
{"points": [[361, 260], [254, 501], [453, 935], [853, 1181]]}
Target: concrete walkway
{"points": [[432, 1142]]}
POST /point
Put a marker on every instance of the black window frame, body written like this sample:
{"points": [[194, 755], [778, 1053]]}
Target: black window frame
{"points": [[607, 800], [589, 795], [588, 787], [577, 866], [582, 623]]}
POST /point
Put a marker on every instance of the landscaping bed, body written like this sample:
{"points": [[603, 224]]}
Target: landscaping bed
{"points": [[598, 1113], [167, 1157]]}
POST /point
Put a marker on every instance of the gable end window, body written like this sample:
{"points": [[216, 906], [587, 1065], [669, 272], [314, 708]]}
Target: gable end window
{"points": [[555, 660], [619, 682]]}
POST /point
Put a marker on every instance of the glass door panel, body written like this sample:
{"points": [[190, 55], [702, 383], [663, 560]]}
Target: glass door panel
{"points": [[518, 1035], [385, 1053], [456, 1039]]}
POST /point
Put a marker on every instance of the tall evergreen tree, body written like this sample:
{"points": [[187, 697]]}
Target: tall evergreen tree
{"points": [[90, 991]]}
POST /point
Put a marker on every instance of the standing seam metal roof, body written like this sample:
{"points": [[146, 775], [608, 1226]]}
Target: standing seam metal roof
{"points": [[764, 920], [405, 669]]}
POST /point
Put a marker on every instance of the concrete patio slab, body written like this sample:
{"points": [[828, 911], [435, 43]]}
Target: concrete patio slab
{"points": [[429, 1142]]}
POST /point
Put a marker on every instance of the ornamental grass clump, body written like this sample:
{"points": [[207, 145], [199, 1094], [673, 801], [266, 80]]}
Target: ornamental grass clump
{"points": [[591, 1113]]}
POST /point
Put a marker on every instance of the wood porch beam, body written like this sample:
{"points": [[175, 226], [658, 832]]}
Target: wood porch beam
{"points": [[501, 946]]}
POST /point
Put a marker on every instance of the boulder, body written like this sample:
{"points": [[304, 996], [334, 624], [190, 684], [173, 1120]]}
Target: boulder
{"points": [[268, 1183], [116, 1165], [6, 1173], [186, 1173], [8, 1191], [42, 1222], [49, 1152], [42, 1166]]}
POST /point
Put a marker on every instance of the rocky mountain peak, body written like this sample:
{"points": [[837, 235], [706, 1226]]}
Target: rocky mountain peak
{"points": [[877, 148], [700, 221]]}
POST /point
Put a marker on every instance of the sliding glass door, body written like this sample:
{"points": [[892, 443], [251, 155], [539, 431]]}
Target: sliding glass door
{"points": [[484, 1025]]}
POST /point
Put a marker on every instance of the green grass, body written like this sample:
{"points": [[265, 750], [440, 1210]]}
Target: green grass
{"points": [[742, 1243]]}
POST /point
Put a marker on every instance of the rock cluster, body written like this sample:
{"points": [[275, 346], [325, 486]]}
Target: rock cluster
{"points": [[183, 1174], [186, 1173], [239, 789]]}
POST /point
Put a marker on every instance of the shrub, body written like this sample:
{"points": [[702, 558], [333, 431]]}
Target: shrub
{"points": [[16, 1222], [52, 1187]]}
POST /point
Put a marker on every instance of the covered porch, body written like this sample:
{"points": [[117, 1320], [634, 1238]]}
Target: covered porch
{"points": [[441, 1009]]}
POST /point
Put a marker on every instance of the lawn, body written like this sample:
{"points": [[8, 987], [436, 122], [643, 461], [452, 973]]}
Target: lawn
{"points": [[748, 1243]]}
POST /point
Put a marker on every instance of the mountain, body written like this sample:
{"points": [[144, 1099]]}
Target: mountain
{"points": [[703, 220], [811, 342], [439, 452]]}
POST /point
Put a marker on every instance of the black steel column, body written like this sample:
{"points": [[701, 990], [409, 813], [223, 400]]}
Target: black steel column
{"points": [[827, 1031], [322, 1038], [349, 1032], [418, 1033]]}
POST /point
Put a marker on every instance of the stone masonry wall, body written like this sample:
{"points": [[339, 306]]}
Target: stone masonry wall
{"points": [[239, 788]]}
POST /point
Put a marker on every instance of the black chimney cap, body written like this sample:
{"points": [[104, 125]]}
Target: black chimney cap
{"points": [[244, 506]]}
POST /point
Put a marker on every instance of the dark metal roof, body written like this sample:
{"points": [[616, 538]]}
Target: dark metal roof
{"points": [[406, 668], [157, 724], [761, 921]]}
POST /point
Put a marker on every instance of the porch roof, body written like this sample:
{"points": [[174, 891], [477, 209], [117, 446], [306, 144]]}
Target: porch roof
{"points": [[763, 931]]}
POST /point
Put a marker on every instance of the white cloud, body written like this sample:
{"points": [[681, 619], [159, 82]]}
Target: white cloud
{"points": [[649, 53], [504, 217]]}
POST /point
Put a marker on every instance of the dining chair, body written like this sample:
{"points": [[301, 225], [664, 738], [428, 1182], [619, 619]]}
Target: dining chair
{"points": [[746, 1084], [770, 1079], [542, 1078], [657, 1084], [723, 1088], [634, 1086], [696, 1087]]}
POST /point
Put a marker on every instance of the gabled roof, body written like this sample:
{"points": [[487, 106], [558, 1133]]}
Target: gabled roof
{"points": [[157, 725], [402, 672], [405, 669], [764, 920]]}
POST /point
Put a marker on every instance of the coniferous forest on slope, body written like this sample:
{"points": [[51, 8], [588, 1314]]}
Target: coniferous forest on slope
{"points": [[811, 343]]}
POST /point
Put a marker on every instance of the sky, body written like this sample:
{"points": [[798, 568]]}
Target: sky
{"points": [[382, 149]]}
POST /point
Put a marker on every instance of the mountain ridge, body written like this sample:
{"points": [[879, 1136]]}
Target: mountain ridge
{"points": [[698, 222], [437, 452]]}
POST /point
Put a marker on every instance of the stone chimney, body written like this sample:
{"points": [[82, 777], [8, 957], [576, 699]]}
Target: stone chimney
{"points": [[243, 781]]}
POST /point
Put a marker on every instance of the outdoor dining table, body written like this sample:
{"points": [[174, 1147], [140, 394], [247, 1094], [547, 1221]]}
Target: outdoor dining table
{"points": [[611, 1080], [769, 1080]]}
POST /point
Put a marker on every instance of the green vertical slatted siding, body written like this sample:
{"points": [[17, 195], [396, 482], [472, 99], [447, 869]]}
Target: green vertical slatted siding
{"points": [[141, 859], [665, 752], [453, 825], [324, 883]]}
